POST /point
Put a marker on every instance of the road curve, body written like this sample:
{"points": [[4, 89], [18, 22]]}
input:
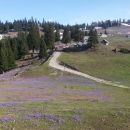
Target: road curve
{"points": [[54, 63]]}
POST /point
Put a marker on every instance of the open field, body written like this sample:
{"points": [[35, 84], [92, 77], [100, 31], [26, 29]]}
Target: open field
{"points": [[42, 100], [118, 41], [103, 63]]}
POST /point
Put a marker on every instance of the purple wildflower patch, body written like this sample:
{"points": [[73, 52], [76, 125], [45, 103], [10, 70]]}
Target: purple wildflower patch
{"points": [[48, 117], [75, 118], [7, 119], [8, 104]]}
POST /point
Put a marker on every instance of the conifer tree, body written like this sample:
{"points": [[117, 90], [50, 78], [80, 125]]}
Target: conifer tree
{"points": [[7, 60], [49, 36], [33, 37], [3, 58], [57, 36], [22, 45], [93, 38], [66, 36], [14, 47], [43, 49], [10, 55]]}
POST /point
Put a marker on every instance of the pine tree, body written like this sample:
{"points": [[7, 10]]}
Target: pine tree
{"points": [[34, 37], [93, 38], [3, 58], [81, 35], [22, 45], [43, 49], [10, 55], [66, 36], [7, 60], [49, 36], [57, 36], [14, 47]]}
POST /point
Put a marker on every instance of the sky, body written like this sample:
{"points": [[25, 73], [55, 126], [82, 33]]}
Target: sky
{"points": [[65, 11]]}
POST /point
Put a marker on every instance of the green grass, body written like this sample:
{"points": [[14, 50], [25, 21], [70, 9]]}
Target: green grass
{"points": [[40, 70], [77, 87], [103, 63], [109, 115], [119, 41]]}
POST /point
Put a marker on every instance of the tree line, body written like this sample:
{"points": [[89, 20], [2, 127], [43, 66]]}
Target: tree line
{"points": [[109, 23], [12, 49], [30, 39]]}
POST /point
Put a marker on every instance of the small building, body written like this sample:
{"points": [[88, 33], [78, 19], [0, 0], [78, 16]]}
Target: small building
{"points": [[105, 42], [97, 28], [86, 39], [10, 34], [61, 32], [79, 44], [103, 36]]}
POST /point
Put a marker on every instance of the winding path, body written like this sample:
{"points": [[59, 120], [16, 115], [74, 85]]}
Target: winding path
{"points": [[54, 63]]}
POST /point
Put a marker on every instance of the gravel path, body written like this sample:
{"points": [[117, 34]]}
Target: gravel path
{"points": [[54, 63]]}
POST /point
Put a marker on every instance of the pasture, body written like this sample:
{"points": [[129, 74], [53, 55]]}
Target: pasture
{"points": [[39, 100], [103, 63], [43, 98]]}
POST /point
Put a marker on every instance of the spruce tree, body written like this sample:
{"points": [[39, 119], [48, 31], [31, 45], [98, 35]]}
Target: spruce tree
{"points": [[14, 47], [66, 36], [34, 37], [22, 45], [3, 58], [43, 49], [57, 36], [10, 55], [93, 38], [49, 36]]}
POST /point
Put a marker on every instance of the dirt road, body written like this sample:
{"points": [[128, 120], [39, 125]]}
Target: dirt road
{"points": [[54, 63]]}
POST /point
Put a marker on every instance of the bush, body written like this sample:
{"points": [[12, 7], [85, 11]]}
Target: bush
{"points": [[124, 50]]}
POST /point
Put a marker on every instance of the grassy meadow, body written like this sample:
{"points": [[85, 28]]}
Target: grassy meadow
{"points": [[111, 113], [64, 102], [46, 99], [103, 63]]}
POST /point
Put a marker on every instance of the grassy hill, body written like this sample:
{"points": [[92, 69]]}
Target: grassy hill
{"points": [[103, 63]]}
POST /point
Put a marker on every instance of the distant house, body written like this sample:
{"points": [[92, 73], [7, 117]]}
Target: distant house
{"points": [[97, 28], [61, 32], [10, 34], [83, 29], [103, 36], [79, 44], [86, 39], [105, 42], [124, 24]]}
